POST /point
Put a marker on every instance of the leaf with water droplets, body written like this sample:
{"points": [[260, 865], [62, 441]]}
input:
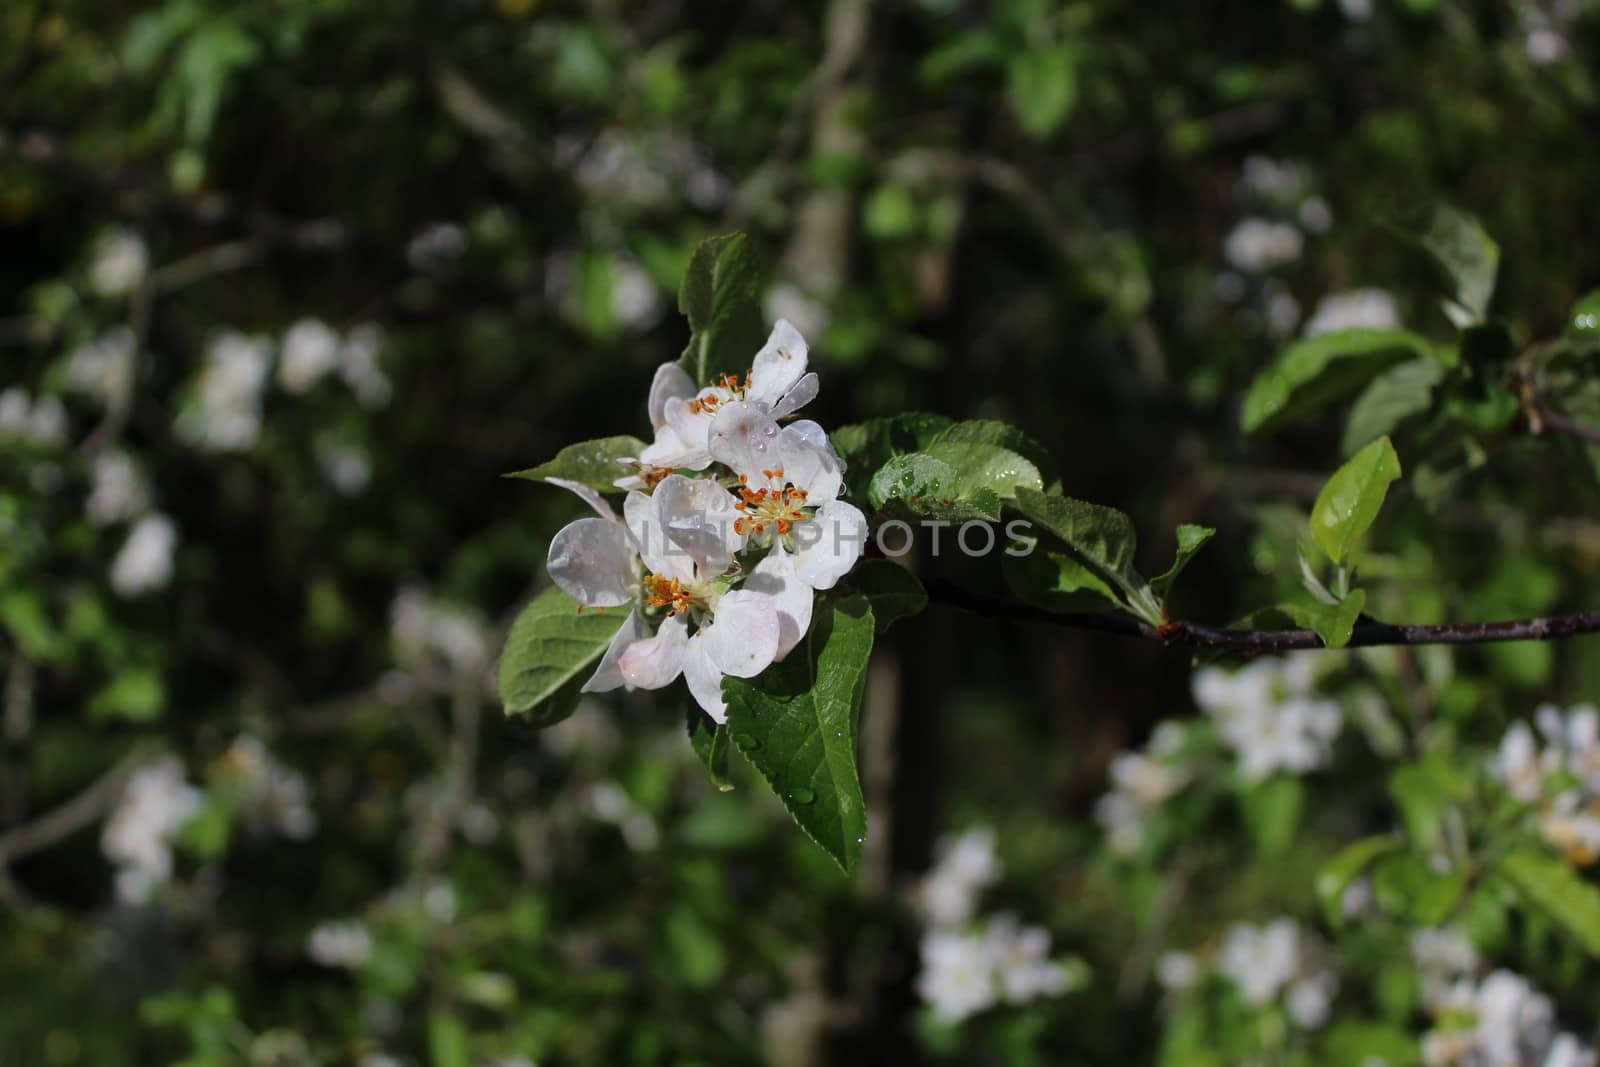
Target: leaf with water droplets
{"points": [[596, 464], [796, 724], [721, 297]]}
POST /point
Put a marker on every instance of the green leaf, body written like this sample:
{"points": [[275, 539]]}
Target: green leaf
{"points": [[1557, 890], [1057, 582], [551, 652], [1272, 811], [1191, 539], [892, 591], [1423, 792], [1334, 623], [995, 432], [1461, 249], [1310, 374], [1346, 866], [1350, 500], [954, 480], [1102, 537], [1407, 884], [1398, 394], [867, 446], [596, 463], [797, 726], [721, 296], [711, 743], [449, 1044], [1043, 86]]}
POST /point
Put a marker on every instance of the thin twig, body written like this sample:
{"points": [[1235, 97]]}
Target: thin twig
{"points": [[61, 822], [1367, 633]]}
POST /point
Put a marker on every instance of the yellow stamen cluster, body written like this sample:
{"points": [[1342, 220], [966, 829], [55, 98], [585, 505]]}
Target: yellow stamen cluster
{"points": [[730, 384], [651, 476], [666, 593], [780, 508]]}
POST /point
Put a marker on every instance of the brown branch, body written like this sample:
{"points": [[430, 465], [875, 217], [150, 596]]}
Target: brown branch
{"points": [[1368, 632], [1544, 418]]}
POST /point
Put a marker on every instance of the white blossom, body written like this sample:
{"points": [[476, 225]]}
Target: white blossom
{"points": [[344, 945], [610, 803], [144, 563], [309, 353], [121, 261], [435, 245], [1257, 245], [788, 302], [421, 626], [1355, 309], [1560, 778], [274, 797], [346, 468], [1499, 1021], [947, 896], [1269, 714], [225, 412], [41, 422], [1278, 960], [154, 806], [361, 368], [1140, 784], [118, 490], [1177, 971], [966, 972], [103, 368], [1443, 957]]}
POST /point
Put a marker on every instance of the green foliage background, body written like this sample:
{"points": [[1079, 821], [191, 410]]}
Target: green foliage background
{"points": [[1013, 210]]}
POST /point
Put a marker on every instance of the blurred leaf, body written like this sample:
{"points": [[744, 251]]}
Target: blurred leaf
{"points": [[1311, 374], [552, 650], [721, 296], [1394, 396], [890, 212], [1350, 863], [596, 463], [1349, 502], [1557, 890], [1406, 884], [1191, 539], [1272, 811], [1462, 250], [135, 695], [1103, 538], [1360, 1043], [797, 726], [448, 1042], [891, 590], [1043, 87], [1583, 324]]}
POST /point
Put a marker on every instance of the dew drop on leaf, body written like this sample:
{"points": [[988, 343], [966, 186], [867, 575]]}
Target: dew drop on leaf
{"points": [[802, 796]]}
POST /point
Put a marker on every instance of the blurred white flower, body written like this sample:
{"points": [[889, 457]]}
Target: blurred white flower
{"points": [[1278, 959], [1283, 311], [1257, 245], [144, 563], [635, 300], [154, 806], [118, 491], [1356, 10], [435, 245], [1140, 785], [1269, 714], [787, 301], [1315, 214], [121, 261], [225, 412], [347, 469], [957, 979], [1541, 776], [103, 368], [274, 797], [1545, 46], [1499, 1021], [421, 626], [1272, 179], [41, 422], [360, 368], [309, 353], [345, 944], [964, 865], [439, 903], [1355, 309], [1021, 959], [1443, 957], [1177, 971], [610, 803]]}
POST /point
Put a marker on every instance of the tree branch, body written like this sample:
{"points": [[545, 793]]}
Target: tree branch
{"points": [[1368, 632]]}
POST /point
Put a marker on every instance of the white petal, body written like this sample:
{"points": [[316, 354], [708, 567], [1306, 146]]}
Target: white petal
{"points": [[705, 680], [671, 382], [829, 545], [742, 639], [774, 577], [593, 562], [649, 537], [809, 461], [589, 495], [698, 516], [655, 662], [779, 364], [608, 675], [669, 450], [745, 437], [799, 395]]}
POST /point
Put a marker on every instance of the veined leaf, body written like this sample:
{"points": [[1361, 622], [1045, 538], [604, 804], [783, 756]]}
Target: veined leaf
{"points": [[797, 725], [1191, 539], [996, 432], [954, 480], [1057, 582], [1334, 623], [1350, 500], [1557, 890], [867, 446], [892, 591], [1463, 251], [1310, 374], [721, 297], [1398, 394], [596, 463], [1103, 538], [552, 650]]}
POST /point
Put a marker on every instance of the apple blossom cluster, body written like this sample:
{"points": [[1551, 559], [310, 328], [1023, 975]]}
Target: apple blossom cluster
{"points": [[155, 804], [1140, 783], [1268, 964], [1497, 1020], [967, 966], [1270, 715], [731, 524], [272, 797], [1560, 778]]}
